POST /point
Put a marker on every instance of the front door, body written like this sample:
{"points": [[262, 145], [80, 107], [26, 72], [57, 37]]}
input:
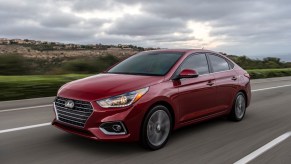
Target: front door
{"points": [[197, 96]]}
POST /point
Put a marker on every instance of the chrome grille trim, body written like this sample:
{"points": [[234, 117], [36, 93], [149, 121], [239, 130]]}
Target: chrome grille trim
{"points": [[70, 120], [60, 111], [68, 109], [77, 116], [64, 115]]}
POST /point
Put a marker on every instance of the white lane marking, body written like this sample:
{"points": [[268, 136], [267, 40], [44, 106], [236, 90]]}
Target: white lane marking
{"points": [[264, 148], [8, 101], [263, 89], [32, 107], [269, 81], [24, 127]]}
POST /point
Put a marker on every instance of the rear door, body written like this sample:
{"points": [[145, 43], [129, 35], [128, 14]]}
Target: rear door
{"points": [[196, 96], [226, 80]]}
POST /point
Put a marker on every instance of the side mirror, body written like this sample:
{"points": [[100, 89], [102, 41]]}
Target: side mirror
{"points": [[187, 73]]}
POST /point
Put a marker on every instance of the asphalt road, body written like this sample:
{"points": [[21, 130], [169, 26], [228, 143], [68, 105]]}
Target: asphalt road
{"points": [[215, 141]]}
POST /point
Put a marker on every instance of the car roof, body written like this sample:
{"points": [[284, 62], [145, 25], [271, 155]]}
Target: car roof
{"points": [[182, 50]]}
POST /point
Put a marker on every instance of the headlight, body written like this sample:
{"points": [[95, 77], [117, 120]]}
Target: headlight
{"points": [[123, 100]]}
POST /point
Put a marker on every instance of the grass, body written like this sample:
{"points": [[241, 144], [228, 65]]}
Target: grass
{"points": [[268, 73], [22, 87]]}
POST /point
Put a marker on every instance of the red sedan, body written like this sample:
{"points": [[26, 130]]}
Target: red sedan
{"points": [[150, 94]]}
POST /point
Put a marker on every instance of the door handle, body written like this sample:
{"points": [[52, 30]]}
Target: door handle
{"points": [[234, 78], [210, 83]]}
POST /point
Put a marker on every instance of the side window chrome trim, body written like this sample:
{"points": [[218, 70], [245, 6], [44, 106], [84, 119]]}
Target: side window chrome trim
{"points": [[210, 73], [216, 72]]}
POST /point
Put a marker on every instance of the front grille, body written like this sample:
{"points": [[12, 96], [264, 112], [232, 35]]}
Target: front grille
{"points": [[77, 115]]}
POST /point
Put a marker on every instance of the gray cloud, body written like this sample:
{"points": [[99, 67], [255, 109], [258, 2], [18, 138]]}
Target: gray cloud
{"points": [[59, 19], [247, 27], [145, 25], [45, 21], [170, 38], [87, 5]]}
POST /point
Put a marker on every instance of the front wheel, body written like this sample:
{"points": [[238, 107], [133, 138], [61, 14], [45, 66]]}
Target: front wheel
{"points": [[239, 108], [156, 128]]}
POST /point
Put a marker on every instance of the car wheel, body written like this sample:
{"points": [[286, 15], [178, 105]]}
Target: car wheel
{"points": [[156, 128], [239, 108]]}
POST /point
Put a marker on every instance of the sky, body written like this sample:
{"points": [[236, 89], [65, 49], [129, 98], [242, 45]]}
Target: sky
{"points": [[242, 27]]}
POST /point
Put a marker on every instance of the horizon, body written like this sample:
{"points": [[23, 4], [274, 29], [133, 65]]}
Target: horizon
{"points": [[284, 57]]}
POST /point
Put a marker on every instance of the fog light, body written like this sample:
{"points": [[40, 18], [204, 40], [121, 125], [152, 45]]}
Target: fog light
{"points": [[117, 128], [113, 128]]}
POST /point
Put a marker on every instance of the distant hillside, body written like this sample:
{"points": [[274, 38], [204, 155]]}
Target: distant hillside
{"points": [[264, 63], [29, 52], [285, 58], [44, 49]]}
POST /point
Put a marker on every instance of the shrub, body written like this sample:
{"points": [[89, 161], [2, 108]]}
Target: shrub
{"points": [[89, 65], [79, 66], [13, 64]]}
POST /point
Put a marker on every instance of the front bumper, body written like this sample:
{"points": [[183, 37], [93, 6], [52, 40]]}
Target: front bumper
{"points": [[130, 118], [91, 133]]}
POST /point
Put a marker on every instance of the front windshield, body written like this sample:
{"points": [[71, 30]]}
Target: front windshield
{"points": [[147, 63]]}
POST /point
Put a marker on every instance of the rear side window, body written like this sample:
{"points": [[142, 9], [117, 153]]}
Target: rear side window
{"points": [[196, 62], [218, 63]]}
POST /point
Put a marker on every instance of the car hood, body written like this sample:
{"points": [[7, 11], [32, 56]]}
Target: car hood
{"points": [[106, 85]]}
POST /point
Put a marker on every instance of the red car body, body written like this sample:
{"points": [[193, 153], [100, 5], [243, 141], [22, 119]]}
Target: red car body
{"points": [[212, 95]]}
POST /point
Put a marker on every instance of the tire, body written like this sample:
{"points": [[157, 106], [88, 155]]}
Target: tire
{"points": [[156, 128], [239, 108]]}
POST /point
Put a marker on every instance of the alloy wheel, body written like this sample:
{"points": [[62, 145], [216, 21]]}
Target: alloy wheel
{"points": [[158, 127], [240, 106]]}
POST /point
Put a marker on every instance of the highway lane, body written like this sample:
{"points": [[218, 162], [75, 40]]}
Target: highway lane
{"points": [[215, 141]]}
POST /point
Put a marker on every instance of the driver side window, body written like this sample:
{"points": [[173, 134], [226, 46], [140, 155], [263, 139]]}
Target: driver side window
{"points": [[196, 62]]}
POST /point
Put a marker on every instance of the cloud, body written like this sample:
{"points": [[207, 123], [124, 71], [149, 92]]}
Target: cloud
{"points": [[146, 25], [59, 19], [245, 27], [87, 5], [46, 21]]}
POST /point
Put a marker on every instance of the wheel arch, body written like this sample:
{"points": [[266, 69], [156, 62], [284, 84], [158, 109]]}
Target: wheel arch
{"points": [[246, 96], [145, 142], [167, 105]]}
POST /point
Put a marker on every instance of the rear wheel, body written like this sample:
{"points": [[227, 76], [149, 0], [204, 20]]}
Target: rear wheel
{"points": [[156, 128], [239, 108]]}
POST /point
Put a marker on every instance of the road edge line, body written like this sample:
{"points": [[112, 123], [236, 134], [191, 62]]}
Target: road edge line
{"points": [[264, 148], [263, 89], [31, 107], [24, 127]]}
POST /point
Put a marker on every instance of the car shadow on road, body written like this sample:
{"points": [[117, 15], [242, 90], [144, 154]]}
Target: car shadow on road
{"points": [[119, 148], [98, 146]]}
